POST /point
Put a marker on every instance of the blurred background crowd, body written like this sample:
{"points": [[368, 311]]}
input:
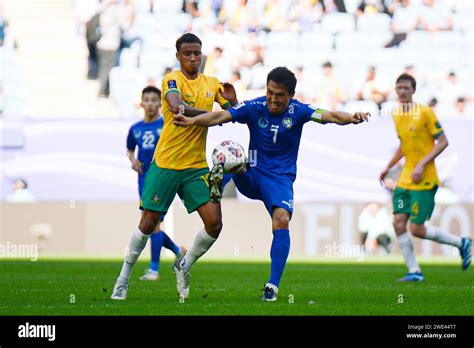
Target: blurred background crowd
{"points": [[346, 53]]}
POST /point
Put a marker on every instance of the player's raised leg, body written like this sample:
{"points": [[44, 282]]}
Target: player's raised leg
{"points": [[216, 185], [436, 234], [148, 223], [279, 252]]}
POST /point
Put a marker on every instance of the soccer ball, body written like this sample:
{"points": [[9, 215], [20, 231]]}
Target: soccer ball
{"points": [[231, 155]]}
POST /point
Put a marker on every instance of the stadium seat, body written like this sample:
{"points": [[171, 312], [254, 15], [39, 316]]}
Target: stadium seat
{"points": [[364, 40], [141, 6], [418, 40], [337, 22], [315, 57], [287, 40], [144, 25], [126, 83], [166, 22], [375, 22], [316, 40], [355, 55], [351, 6], [447, 40], [128, 58], [168, 7], [157, 61], [259, 75]]}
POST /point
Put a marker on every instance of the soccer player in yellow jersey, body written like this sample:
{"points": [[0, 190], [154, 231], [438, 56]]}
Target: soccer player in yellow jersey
{"points": [[422, 139], [179, 164]]}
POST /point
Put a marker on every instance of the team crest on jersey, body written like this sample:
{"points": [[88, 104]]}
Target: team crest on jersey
{"points": [[287, 122], [208, 94], [137, 133], [263, 122], [172, 84]]}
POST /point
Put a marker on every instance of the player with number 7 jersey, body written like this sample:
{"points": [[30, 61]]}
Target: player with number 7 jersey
{"points": [[275, 122]]}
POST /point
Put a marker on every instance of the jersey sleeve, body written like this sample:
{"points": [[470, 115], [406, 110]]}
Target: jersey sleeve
{"points": [[224, 103], [240, 113], [131, 141], [170, 84], [432, 123], [312, 113]]}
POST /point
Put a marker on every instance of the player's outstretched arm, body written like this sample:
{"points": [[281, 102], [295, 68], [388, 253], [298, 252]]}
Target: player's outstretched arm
{"points": [[342, 118], [394, 160], [177, 105], [208, 119]]}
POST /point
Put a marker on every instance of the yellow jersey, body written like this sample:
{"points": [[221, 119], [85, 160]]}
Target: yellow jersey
{"points": [[417, 129], [185, 147]]}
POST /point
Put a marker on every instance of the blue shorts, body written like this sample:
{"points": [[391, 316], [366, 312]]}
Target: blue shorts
{"points": [[272, 191], [141, 183]]}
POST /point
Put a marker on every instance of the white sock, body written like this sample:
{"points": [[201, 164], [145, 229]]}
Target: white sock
{"points": [[406, 246], [201, 245], [137, 244], [435, 234]]}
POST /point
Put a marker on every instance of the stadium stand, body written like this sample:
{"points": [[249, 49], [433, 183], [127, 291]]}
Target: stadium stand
{"points": [[352, 41]]}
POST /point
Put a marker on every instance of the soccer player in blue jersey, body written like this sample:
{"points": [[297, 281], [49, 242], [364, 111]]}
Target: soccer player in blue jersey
{"points": [[275, 123], [144, 135]]}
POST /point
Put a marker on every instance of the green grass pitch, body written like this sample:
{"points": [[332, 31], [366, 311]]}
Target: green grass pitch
{"points": [[83, 287]]}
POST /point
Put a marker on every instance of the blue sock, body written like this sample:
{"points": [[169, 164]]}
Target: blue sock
{"points": [[156, 244], [226, 179], [278, 254], [169, 244]]}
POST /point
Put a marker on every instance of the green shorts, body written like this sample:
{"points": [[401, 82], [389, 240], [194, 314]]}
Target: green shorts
{"points": [[161, 186], [418, 204]]}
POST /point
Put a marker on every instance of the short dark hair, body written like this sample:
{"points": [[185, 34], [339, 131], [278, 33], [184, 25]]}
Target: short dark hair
{"points": [[187, 38], [23, 182], [151, 89], [327, 64], [283, 76], [406, 77]]}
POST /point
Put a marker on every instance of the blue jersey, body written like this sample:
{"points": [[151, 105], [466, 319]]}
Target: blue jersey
{"points": [[145, 136], [274, 139]]}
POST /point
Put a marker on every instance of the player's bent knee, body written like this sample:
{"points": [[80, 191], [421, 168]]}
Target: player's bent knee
{"points": [[417, 230], [281, 221], [400, 225], [148, 223], [400, 228], [214, 228]]}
